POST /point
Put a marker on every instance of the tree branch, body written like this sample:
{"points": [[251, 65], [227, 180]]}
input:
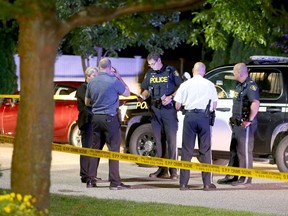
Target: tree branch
{"points": [[92, 15]]}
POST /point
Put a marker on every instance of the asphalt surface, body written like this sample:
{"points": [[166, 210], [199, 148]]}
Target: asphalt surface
{"points": [[263, 196]]}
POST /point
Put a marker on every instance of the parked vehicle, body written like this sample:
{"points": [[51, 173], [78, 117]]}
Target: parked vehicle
{"points": [[271, 137], [65, 115]]}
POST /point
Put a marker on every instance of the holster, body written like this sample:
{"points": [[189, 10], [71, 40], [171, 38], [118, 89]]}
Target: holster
{"points": [[212, 118], [157, 103], [234, 121]]}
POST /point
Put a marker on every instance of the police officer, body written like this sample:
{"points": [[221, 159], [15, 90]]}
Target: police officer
{"points": [[199, 97], [160, 84], [243, 123], [103, 95]]}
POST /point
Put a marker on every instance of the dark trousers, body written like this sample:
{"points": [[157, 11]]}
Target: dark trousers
{"points": [[106, 128], [242, 145], [196, 125], [165, 125], [86, 139]]}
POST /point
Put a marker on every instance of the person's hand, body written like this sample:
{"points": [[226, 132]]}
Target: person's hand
{"points": [[140, 98], [115, 72], [166, 100], [245, 124]]}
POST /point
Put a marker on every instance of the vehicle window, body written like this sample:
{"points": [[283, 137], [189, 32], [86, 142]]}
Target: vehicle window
{"points": [[269, 83], [224, 83], [64, 90]]}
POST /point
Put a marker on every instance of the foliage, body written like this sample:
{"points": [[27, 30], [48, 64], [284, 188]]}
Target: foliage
{"points": [[16, 204], [253, 22], [154, 31], [8, 78], [238, 51]]}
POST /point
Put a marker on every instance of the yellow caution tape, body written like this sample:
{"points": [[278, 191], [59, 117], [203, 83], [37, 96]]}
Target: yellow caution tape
{"points": [[55, 97], [9, 96], [163, 162], [67, 97]]}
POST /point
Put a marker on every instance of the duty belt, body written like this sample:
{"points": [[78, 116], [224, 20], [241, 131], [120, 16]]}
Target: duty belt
{"points": [[196, 110]]}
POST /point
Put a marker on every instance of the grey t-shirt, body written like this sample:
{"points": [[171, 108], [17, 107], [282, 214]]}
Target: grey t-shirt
{"points": [[104, 91]]}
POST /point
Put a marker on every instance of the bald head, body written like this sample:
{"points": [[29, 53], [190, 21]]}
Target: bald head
{"points": [[240, 71], [105, 64], [199, 68]]}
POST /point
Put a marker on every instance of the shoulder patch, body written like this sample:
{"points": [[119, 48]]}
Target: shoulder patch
{"points": [[176, 73], [253, 87]]}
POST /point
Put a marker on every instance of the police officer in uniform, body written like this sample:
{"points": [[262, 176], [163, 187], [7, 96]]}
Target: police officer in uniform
{"points": [[103, 95], [199, 97], [160, 84], [244, 124]]}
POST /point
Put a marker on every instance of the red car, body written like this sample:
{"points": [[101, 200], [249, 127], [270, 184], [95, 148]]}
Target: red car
{"points": [[65, 115]]}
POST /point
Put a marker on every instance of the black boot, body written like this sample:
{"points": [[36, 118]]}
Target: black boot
{"points": [[227, 179], [162, 172], [173, 173]]}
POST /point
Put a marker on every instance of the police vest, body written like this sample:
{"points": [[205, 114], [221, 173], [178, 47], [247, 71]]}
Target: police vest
{"points": [[161, 82], [241, 103]]}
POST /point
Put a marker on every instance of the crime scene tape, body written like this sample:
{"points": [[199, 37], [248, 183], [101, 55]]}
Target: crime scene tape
{"points": [[163, 162], [65, 97]]}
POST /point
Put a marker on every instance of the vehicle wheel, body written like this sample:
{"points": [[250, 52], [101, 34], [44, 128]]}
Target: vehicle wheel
{"points": [[75, 137], [142, 141], [222, 162], [281, 155]]}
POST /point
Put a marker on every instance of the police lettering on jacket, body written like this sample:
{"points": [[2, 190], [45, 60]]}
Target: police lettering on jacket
{"points": [[159, 79], [163, 82]]}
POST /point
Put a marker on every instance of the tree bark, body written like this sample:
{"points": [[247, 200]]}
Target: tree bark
{"points": [[33, 143]]}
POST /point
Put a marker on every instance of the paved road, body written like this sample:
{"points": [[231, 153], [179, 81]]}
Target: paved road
{"points": [[263, 196]]}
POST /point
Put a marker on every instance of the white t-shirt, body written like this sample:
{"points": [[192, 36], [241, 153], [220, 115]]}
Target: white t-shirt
{"points": [[196, 92]]}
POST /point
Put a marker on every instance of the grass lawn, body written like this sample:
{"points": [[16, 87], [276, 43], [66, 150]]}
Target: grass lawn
{"points": [[62, 205], [83, 205]]}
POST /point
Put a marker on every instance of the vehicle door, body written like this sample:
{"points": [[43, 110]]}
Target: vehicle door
{"points": [[8, 115], [65, 113], [273, 103], [225, 83]]}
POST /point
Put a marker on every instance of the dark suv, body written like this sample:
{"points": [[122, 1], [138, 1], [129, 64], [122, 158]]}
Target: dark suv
{"points": [[271, 137]]}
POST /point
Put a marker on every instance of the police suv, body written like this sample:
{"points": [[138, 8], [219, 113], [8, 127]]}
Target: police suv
{"points": [[271, 137]]}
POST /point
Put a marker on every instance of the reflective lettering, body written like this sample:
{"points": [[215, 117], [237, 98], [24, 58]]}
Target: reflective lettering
{"points": [[158, 79], [141, 105]]}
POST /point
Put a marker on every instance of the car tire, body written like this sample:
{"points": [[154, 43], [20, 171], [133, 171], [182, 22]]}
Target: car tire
{"points": [[75, 137], [222, 162], [142, 141], [281, 155]]}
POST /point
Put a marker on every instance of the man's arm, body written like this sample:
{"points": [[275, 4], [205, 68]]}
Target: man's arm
{"points": [[87, 101], [254, 108], [214, 105], [178, 105], [126, 93]]}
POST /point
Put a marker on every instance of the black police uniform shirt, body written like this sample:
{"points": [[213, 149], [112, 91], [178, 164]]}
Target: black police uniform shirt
{"points": [[162, 82], [244, 94]]}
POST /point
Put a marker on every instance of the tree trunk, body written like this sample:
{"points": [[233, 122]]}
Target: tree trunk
{"points": [[31, 162]]}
